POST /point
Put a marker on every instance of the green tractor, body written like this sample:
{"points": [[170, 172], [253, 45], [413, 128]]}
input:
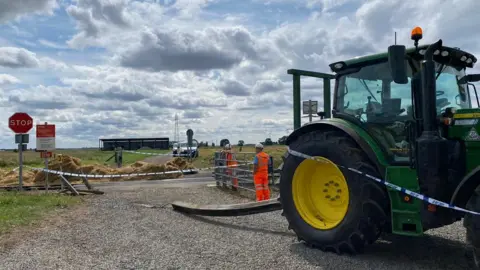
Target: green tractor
{"points": [[407, 116]]}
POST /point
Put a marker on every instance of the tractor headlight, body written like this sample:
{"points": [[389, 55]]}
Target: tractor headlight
{"points": [[338, 66]]}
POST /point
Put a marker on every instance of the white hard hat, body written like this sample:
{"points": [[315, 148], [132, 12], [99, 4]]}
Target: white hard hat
{"points": [[259, 145], [227, 146]]}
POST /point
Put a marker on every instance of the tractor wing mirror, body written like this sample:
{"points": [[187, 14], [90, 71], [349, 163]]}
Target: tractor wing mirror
{"points": [[398, 65], [469, 78], [321, 114]]}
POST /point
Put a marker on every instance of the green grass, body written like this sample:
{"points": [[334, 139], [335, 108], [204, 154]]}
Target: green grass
{"points": [[9, 159], [20, 209]]}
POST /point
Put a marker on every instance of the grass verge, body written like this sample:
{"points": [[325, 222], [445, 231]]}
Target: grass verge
{"points": [[9, 159], [20, 209]]}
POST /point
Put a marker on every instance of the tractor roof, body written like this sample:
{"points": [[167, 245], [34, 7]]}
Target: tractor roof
{"points": [[454, 58]]}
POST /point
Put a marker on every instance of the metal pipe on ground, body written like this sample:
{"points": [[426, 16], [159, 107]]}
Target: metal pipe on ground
{"points": [[241, 209]]}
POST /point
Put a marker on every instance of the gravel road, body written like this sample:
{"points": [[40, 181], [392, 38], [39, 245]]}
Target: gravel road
{"points": [[114, 232]]}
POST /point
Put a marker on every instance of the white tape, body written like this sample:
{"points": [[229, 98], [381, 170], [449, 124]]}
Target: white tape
{"points": [[131, 174], [156, 154]]}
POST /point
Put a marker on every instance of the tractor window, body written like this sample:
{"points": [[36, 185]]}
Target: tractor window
{"points": [[371, 96], [473, 95], [383, 106], [449, 92]]}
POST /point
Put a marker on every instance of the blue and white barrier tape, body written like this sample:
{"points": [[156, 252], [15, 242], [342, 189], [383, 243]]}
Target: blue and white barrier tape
{"points": [[156, 154], [398, 188], [96, 176]]}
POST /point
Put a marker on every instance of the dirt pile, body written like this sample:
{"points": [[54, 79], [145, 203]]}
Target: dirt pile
{"points": [[10, 177], [71, 164]]}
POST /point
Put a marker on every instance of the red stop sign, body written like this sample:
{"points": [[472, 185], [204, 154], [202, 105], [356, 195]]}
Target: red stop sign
{"points": [[20, 122]]}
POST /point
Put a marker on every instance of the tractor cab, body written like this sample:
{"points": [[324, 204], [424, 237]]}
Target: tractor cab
{"points": [[366, 93], [406, 117]]}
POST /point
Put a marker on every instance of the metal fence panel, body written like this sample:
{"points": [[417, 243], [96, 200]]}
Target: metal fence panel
{"points": [[243, 172]]}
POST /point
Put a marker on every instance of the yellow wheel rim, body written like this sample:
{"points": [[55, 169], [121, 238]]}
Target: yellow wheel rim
{"points": [[320, 193]]}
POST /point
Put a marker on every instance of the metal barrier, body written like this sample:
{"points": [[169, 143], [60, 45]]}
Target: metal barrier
{"points": [[241, 173]]}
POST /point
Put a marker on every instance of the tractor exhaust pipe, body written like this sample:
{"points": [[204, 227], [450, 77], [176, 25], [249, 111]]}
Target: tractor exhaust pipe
{"points": [[432, 149], [429, 89]]}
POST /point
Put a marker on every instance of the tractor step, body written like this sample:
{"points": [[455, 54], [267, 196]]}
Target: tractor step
{"points": [[406, 218], [406, 223]]}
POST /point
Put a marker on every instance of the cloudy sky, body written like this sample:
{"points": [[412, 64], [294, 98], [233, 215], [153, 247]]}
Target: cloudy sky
{"points": [[124, 68]]}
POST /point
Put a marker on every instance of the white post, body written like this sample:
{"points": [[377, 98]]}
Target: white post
{"points": [[46, 173], [62, 185], [309, 111], [20, 160]]}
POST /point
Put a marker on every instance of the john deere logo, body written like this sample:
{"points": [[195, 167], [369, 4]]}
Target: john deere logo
{"points": [[472, 135]]}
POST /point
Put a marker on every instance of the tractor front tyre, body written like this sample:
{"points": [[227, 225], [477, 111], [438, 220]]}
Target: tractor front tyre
{"points": [[472, 225], [329, 208]]}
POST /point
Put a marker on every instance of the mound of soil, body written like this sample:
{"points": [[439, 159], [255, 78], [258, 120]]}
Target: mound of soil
{"points": [[71, 164]]}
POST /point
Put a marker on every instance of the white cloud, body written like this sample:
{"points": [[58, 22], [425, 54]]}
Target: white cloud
{"points": [[190, 8], [50, 44], [12, 57], [96, 17], [8, 79], [175, 51], [15, 9], [234, 88], [126, 67]]}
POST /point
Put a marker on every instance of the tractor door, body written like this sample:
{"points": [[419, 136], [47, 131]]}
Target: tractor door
{"points": [[380, 105], [472, 89]]}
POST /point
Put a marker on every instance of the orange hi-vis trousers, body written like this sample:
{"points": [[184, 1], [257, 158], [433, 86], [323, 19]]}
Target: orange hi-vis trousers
{"points": [[261, 186], [231, 171]]}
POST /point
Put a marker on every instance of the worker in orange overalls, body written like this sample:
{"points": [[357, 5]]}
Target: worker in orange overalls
{"points": [[231, 165], [260, 173]]}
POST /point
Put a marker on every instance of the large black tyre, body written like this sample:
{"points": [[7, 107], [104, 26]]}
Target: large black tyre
{"points": [[472, 226], [368, 211]]}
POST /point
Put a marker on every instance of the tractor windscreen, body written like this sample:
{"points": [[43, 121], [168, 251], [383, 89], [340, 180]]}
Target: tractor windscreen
{"points": [[451, 93], [370, 94]]}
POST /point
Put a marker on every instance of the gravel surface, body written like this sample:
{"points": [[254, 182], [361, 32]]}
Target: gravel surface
{"points": [[114, 232]]}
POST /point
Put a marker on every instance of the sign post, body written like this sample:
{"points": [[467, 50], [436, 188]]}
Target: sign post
{"points": [[119, 156], [310, 107], [46, 155], [46, 172], [20, 123], [190, 142], [46, 144]]}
